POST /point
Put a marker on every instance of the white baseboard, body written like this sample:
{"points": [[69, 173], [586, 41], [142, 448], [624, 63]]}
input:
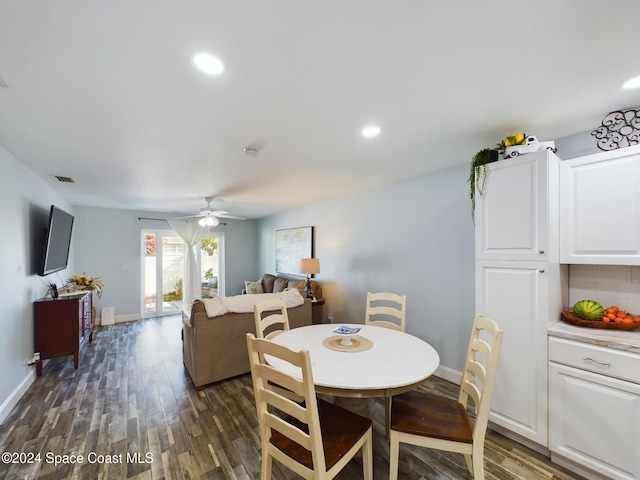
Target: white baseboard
{"points": [[577, 468], [449, 374], [122, 318], [16, 395]]}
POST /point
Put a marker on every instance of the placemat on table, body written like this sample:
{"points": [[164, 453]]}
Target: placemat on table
{"points": [[358, 344]]}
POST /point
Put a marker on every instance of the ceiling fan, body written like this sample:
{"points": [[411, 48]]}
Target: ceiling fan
{"points": [[211, 216]]}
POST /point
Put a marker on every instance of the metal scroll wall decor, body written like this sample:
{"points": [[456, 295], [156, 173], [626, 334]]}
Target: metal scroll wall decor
{"points": [[619, 129]]}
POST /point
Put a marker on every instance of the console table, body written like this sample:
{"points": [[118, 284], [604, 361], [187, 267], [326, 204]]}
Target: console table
{"points": [[62, 326]]}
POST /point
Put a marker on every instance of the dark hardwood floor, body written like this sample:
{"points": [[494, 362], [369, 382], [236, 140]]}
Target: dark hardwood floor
{"points": [[131, 411]]}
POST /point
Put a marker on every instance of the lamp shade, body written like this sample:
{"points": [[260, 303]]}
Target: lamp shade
{"points": [[309, 265]]}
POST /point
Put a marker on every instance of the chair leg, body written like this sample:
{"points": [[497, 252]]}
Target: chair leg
{"points": [[478, 466], [394, 455], [469, 459], [267, 462], [367, 457], [387, 415]]}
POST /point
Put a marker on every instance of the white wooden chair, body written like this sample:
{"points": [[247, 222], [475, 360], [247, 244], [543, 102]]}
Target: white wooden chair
{"points": [[314, 439], [276, 314], [386, 310], [270, 314], [428, 420]]}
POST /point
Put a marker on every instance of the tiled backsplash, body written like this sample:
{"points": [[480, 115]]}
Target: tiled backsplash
{"points": [[606, 284]]}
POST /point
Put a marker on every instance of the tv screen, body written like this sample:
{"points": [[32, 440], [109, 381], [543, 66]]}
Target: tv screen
{"points": [[56, 254]]}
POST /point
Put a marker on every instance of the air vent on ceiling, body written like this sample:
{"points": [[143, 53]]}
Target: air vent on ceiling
{"points": [[3, 84], [64, 179]]}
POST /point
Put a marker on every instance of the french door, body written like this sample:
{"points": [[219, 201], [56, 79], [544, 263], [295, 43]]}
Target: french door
{"points": [[163, 270]]}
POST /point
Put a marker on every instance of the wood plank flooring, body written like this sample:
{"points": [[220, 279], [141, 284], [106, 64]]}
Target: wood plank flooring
{"points": [[131, 411]]}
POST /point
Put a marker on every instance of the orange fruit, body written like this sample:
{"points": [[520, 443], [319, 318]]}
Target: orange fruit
{"points": [[606, 319], [611, 309], [612, 316], [621, 314]]}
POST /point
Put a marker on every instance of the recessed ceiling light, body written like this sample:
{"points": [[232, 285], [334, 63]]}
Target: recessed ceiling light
{"points": [[371, 131], [207, 63], [633, 83]]}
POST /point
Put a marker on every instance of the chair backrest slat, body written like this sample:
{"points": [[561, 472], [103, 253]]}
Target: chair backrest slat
{"points": [[480, 369], [382, 305], [269, 313], [305, 429]]}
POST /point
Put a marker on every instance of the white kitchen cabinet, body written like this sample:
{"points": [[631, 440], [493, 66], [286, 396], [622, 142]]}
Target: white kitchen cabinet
{"points": [[600, 208], [512, 213], [594, 408], [519, 284]]}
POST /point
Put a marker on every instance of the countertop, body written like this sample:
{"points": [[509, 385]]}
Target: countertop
{"points": [[618, 339]]}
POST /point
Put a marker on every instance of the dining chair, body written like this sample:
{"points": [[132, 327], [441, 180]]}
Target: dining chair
{"points": [[315, 439], [276, 315], [386, 310], [429, 420], [266, 327]]}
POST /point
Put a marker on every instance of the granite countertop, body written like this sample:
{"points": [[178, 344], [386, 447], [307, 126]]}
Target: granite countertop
{"points": [[618, 339]]}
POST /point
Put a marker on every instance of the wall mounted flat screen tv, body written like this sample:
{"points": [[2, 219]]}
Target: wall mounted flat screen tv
{"points": [[56, 254]]}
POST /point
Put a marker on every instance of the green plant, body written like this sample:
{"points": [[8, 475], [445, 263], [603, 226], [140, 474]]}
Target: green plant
{"points": [[208, 274], [478, 175]]}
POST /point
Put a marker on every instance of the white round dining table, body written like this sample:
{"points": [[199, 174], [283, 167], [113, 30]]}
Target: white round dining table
{"points": [[395, 363]]}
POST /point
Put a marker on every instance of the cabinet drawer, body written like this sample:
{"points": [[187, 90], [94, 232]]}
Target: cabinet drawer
{"points": [[594, 358]]}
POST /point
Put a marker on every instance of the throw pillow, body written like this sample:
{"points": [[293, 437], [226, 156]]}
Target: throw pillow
{"points": [[280, 284], [267, 282], [253, 287]]}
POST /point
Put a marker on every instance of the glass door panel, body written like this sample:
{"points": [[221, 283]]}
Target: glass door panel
{"points": [[149, 273], [211, 265], [163, 273]]}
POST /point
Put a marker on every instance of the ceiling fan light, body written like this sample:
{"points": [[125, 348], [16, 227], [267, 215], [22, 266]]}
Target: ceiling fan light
{"points": [[212, 221], [202, 222]]}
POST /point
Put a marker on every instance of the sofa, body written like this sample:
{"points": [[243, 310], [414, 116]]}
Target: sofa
{"points": [[269, 283], [215, 348]]}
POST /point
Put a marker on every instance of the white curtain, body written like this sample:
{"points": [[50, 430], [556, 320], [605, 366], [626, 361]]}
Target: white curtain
{"points": [[191, 233]]}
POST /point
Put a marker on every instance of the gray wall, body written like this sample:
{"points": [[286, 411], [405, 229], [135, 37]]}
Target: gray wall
{"points": [[108, 245], [413, 237], [25, 200]]}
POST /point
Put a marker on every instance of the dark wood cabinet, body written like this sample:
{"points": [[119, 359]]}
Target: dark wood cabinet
{"points": [[62, 326]]}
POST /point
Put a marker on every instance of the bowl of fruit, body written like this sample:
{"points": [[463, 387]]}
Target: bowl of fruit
{"points": [[591, 314]]}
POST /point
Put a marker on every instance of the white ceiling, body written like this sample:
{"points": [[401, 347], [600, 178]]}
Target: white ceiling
{"points": [[104, 92]]}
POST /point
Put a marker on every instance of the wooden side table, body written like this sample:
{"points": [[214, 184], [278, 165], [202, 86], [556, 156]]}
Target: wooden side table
{"points": [[62, 326], [317, 311]]}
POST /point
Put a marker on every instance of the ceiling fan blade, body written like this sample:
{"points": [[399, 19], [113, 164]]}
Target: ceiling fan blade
{"points": [[231, 217], [188, 216]]}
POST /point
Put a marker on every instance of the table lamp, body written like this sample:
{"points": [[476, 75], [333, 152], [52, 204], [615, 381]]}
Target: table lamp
{"points": [[309, 266]]}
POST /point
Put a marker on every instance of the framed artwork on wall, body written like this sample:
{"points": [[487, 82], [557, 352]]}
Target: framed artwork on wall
{"points": [[292, 244]]}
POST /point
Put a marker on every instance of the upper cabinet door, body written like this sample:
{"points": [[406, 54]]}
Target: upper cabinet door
{"points": [[513, 212], [600, 208]]}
